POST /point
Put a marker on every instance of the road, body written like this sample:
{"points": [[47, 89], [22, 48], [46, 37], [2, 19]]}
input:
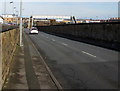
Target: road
{"points": [[77, 65]]}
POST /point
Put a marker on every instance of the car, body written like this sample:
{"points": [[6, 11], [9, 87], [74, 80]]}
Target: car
{"points": [[33, 30]]}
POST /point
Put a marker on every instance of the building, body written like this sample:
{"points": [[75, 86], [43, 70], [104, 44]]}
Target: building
{"points": [[67, 21], [80, 21], [10, 18], [114, 19], [1, 20], [92, 21], [51, 17], [57, 18], [47, 20]]}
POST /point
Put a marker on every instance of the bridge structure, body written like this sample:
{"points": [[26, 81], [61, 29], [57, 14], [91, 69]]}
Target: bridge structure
{"points": [[50, 17], [40, 17], [53, 53]]}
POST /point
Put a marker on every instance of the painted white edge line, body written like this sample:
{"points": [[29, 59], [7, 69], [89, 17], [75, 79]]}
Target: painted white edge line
{"points": [[64, 44], [53, 40], [48, 69]]}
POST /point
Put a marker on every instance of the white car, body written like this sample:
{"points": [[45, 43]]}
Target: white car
{"points": [[33, 30]]}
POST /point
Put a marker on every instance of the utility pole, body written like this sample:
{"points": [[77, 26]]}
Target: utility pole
{"points": [[21, 44], [17, 17], [5, 8], [4, 12], [12, 3]]}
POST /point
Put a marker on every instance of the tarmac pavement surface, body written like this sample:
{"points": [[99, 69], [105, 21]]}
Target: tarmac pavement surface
{"points": [[77, 65]]}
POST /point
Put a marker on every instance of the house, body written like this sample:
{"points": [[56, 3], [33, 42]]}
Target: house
{"points": [[9, 17], [1, 20]]}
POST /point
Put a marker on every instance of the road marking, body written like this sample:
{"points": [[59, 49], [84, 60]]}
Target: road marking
{"points": [[53, 40], [88, 54], [46, 37], [64, 44]]}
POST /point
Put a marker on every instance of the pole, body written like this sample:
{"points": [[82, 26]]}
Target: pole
{"points": [[5, 8], [17, 16], [32, 22], [13, 8], [4, 14], [21, 23], [29, 23]]}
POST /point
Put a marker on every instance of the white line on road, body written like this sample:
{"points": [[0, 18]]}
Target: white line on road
{"points": [[53, 40], [46, 37], [64, 44], [88, 54]]}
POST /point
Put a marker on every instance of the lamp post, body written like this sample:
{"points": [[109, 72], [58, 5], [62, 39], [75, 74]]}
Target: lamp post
{"points": [[5, 8], [13, 5], [21, 44], [17, 17], [13, 10]]}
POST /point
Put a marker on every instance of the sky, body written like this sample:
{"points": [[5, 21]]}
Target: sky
{"points": [[63, 0], [102, 9]]}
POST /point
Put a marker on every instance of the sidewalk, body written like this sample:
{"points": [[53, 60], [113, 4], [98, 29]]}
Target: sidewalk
{"points": [[27, 70]]}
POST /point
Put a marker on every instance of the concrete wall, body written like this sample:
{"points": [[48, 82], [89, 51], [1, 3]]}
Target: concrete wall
{"points": [[98, 31], [10, 39], [105, 32]]}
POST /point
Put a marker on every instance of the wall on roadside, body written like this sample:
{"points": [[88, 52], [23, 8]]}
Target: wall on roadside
{"points": [[105, 32], [97, 31], [10, 39]]}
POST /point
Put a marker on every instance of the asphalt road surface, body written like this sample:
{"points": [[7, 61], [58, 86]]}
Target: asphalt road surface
{"points": [[77, 65]]}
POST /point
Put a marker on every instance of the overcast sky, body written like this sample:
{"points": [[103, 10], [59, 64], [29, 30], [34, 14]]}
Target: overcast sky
{"points": [[87, 9]]}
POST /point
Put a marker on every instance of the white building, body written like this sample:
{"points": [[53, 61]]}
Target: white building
{"points": [[1, 20], [7, 16], [92, 21]]}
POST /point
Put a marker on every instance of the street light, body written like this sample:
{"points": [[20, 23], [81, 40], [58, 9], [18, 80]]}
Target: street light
{"points": [[17, 16], [14, 10], [21, 23], [13, 5], [5, 8]]}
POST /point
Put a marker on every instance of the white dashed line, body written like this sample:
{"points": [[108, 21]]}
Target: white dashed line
{"points": [[53, 40], [88, 54], [46, 37], [64, 44]]}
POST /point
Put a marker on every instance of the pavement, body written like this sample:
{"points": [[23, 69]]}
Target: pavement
{"points": [[28, 71], [78, 65]]}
